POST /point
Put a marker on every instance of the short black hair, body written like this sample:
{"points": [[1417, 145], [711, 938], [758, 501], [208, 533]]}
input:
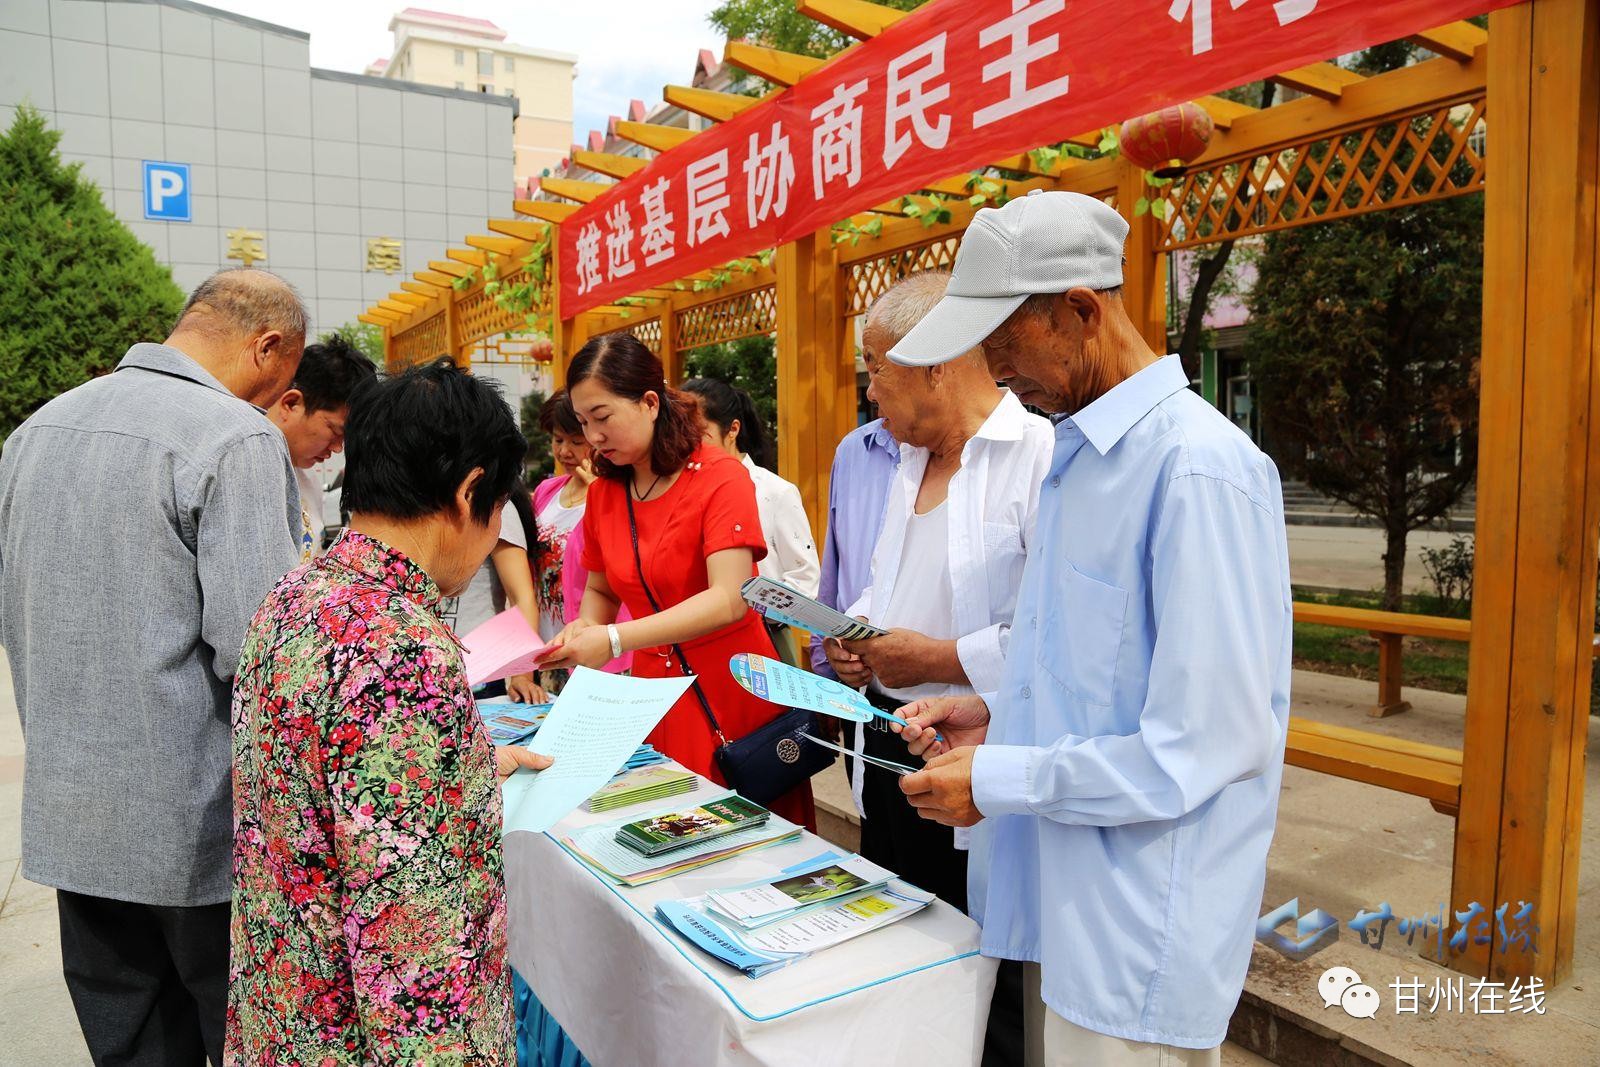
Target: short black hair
{"points": [[330, 373], [557, 414], [412, 439]]}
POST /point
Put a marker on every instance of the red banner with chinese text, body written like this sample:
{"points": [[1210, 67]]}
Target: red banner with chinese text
{"points": [[952, 87]]}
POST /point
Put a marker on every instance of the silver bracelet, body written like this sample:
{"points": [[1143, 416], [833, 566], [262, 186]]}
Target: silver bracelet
{"points": [[616, 639]]}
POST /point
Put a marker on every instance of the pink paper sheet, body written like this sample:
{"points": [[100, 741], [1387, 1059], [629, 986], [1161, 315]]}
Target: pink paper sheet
{"points": [[501, 647]]}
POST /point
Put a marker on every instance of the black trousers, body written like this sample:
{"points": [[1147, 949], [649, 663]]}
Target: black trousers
{"points": [[150, 984], [922, 852], [893, 835]]}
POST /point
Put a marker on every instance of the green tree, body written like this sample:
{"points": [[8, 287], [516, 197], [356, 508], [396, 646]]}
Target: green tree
{"points": [[363, 337], [778, 24], [79, 286], [1365, 344], [540, 464], [751, 363]]}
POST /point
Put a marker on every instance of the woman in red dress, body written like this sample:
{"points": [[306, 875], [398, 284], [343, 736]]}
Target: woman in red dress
{"points": [[699, 540]]}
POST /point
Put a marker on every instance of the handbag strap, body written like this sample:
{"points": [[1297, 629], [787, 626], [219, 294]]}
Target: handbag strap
{"points": [[683, 661]]}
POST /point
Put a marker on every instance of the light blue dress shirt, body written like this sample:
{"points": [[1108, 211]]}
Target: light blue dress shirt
{"points": [[1130, 775]]}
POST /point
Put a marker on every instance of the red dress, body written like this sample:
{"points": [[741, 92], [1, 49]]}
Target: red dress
{"points": [[710, 508]]}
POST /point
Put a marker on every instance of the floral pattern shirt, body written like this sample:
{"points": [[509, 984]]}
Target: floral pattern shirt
{"points": [[369, 916]]}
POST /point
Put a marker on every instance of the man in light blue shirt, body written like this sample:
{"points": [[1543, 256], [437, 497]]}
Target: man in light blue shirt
{"points": [[1124, 785]]}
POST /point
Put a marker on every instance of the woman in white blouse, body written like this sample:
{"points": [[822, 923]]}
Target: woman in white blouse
{"points": [[734, 425]]}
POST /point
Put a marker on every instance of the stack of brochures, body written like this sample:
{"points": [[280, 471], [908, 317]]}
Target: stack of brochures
{"points": [[799, 912], [672, 831], [655, 782], [599, 848], [511, 723], [753, 905]]}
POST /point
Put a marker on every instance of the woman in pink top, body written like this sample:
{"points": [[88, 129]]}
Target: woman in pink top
{"points": [[558, 504]]}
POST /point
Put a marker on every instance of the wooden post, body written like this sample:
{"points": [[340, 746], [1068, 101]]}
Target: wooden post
{"points": [[816, 369], [671, 358], [1389, 655], [560, 329], [452, 333], [1144, 275], [1538, 491]]}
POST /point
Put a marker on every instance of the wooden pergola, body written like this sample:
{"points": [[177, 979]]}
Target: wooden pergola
{"points": [[1347, 146]]}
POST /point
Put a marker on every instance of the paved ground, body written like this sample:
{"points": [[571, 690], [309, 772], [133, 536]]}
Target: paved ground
{"points": [[1345, 557], [37, 1025]]}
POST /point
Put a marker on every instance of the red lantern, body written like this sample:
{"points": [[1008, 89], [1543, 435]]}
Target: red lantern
{"points": [[542, 350], [1166, 141]]}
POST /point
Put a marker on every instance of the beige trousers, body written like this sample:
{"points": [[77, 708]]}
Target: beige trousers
{"points": [[1054, 1042]]}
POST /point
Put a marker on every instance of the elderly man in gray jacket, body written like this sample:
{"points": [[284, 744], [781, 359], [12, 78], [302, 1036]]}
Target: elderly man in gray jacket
{"points": [[143, 516]]}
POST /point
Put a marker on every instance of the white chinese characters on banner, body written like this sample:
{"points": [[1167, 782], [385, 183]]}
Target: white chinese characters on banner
{"points": [[910, 95], [836, 137], [619, 241], [588, 265], [1022, 51], [656, 242], [707, 181], [1199, 13], [769, 172]]}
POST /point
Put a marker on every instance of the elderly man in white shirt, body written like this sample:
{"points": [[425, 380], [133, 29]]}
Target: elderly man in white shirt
{"points": [[946, 566]]}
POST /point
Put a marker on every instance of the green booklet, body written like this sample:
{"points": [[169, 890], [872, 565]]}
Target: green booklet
{"points": [[680, 829]]}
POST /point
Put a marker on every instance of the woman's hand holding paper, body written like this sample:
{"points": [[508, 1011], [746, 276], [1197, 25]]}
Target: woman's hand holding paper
{"points": [[580, 644], [508, 759], [963, 721]]}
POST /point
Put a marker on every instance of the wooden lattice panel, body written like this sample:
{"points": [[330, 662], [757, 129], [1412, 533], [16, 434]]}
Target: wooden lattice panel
{"points": [[479, 316], [741, 315], [869, 279], [647, 332], [1426, 155], [650, 334], [503, 350], [422, 343]]}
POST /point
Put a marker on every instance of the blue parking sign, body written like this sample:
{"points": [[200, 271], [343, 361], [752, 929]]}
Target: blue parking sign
{"points": [[166, 191]]}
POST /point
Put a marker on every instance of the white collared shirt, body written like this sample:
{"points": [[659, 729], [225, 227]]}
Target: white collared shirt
{"points": [[791, 553], [993, 500]]}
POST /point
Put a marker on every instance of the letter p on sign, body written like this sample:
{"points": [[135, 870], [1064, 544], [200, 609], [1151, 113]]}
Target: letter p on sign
{"points": [[166, 191]]}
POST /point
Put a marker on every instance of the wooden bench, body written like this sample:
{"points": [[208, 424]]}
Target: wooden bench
{"points": [[1389, 627], [1428, 771]]}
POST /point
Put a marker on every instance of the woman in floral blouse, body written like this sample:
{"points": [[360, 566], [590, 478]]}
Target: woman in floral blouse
{"points": [[369, 916]]}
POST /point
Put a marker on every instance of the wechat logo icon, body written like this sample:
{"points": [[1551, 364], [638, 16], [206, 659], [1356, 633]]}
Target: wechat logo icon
{"points": [[1343, 986]]}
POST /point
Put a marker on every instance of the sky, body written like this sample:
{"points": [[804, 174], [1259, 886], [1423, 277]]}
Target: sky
{"points": [[626, 49]]}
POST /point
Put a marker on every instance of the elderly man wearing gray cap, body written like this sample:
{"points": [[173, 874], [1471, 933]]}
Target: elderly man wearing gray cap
{"points": [[1123, 785]]}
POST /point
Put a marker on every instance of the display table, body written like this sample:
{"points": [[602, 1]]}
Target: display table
{"points": [[632, 994]]}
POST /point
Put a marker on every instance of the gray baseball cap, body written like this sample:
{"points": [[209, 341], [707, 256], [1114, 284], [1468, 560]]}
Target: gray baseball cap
{"points": [[1045, 242]]}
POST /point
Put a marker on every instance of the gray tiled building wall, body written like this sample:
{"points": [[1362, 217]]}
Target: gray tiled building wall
{"points": [[317, 162]]}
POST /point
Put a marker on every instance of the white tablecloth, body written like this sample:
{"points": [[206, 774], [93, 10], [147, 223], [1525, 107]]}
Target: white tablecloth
{"points": [[632, 994]]}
